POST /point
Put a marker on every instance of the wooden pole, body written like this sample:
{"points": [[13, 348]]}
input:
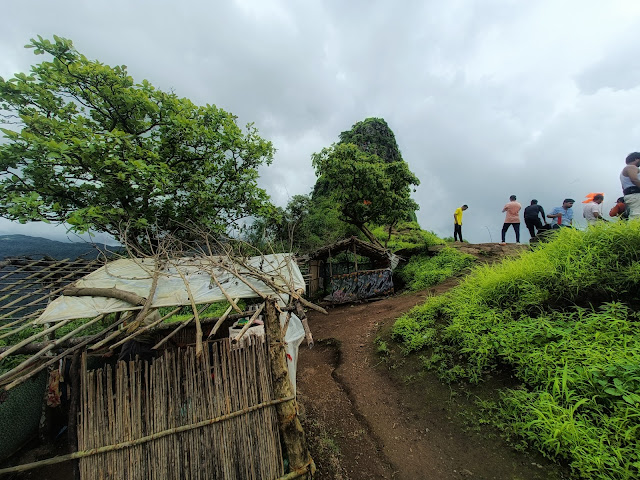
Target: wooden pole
{"points": [[72, 430], [305, 324], [247, 325], [291, 430]]}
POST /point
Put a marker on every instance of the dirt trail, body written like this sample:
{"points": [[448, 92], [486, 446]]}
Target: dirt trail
{"points": [[382, 427]]}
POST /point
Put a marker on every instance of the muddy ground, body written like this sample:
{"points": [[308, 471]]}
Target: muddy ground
{"points": [[375, 416]]}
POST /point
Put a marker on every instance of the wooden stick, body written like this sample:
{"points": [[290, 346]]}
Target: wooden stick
{"points": [[176, 330], [33, 337], [152, 291], [49, 347], [220, 321], [224, 292], [123, 295], [145, 328], [196, 317], [247, 325], [243, 280], [305, 324], [63, 354]]}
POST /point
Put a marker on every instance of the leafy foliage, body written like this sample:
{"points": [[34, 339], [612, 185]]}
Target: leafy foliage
{"points": [[365, 188], [90, 147], [563, 320], [373, 136], [303, 226]]}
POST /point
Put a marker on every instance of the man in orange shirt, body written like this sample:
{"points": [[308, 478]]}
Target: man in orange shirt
{"points": [[511, 219]]}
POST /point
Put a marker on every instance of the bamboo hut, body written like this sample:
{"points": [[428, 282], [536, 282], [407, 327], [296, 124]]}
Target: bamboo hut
{"points": [[350, 270], [200, 406]]}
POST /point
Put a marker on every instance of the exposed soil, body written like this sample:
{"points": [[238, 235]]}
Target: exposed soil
{"points": [[369, 421]]}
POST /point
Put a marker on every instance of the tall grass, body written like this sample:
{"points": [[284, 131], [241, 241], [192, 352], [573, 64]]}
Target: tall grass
{"points": [[423, 271], [563, 320]]}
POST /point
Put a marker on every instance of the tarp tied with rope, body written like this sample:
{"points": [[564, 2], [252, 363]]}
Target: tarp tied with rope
{"points": [[209, 278]]}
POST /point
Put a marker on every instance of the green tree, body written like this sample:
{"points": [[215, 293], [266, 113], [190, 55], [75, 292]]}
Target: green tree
{"points": [[87, 146], [304, 225], [366, 188]]}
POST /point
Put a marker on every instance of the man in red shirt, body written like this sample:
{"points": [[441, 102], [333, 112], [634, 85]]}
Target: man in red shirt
{"points": [[512, 218]]}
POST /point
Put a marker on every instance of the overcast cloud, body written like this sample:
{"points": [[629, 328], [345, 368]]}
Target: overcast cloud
{"points": [[486, 98]]}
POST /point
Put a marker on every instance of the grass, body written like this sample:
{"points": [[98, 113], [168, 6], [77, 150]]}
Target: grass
{"points": [[562, 320], [423, 271]]}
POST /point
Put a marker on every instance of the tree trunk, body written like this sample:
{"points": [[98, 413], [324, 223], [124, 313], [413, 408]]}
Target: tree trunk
{"points": [[363, 228], [291, 430]]}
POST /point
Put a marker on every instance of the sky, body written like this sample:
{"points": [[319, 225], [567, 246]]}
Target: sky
{"points": [[487, 98]]}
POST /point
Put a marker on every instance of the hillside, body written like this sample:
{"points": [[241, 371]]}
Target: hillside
{"points": [[37, 247]]}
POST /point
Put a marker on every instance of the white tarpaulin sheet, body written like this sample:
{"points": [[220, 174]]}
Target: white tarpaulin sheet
{"points": [[136, 275]]}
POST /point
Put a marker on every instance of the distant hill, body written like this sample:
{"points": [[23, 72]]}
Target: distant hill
{"points": [[37, 247]]}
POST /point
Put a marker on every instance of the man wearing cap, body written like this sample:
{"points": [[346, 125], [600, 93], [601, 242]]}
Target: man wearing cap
{"points": [[457, 222], [631, 184], [563, 214], [532, 216], [592, 211]]}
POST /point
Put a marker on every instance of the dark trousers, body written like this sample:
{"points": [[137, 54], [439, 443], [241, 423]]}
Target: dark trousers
{"points": [[516, 227], [531, 223], [457, 232]]}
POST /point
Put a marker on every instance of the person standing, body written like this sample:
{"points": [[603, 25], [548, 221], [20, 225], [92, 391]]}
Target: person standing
{"points": [[512, 218], [631, 184], [563, 214], [620, 209], [592, 211], [532, 216], [457, 222]]}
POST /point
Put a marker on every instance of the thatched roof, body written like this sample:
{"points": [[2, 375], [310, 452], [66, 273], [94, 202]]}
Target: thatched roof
{"points": [[351, 244]]}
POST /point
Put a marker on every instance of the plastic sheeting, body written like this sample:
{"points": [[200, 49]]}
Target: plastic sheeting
{"points": [[135, 275]]}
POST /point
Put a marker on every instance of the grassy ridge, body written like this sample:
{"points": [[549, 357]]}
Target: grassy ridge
{"points": [[423, 271], [563, 320]]}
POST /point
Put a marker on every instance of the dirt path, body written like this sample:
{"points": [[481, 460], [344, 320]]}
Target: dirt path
{"points": [[382, 427]]}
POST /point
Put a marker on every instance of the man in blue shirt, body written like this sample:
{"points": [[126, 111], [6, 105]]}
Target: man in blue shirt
{"points": [[563, 214]]}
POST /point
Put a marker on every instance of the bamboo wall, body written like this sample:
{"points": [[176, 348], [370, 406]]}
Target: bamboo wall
{"points": [[135, 400]]}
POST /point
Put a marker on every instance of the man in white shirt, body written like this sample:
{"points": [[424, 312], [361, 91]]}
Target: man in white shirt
{"points": [[593, 210]]}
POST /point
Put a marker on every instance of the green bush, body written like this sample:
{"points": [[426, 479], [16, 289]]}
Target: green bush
{"points": [[562, 319]]}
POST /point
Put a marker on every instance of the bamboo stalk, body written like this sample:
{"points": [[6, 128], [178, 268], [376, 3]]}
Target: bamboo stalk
{"points": [[63, 354], [248, 324], [49, 347], [33, 337]]}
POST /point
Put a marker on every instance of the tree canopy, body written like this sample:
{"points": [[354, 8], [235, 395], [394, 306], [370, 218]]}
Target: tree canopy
{"points": [[366, 188], [86, 145], [366, 177]]}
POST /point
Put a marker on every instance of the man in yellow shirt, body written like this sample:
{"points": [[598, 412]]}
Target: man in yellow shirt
{"points": [[457, 222]]}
